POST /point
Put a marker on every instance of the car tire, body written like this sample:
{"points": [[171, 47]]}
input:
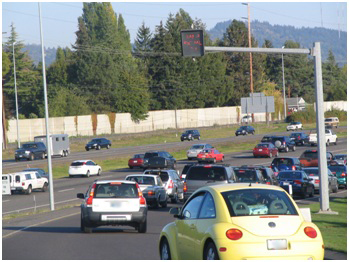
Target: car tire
{"points": [[108, 146], [174, 199], [294, 148], [254, 156], [44, 188], [31, 157], [189, 158], [335, 142], [29, 190], [84, 228], [302, 142], [164, 203], [287, 149], [199, 137], [335, 190], [131, 167], [328, 143], [270, 155], [210, 252], [252, 132], [311, 194], [70, 176], [222, 159], [142, 227], [165, 253], [43, 155], [98, 147], [87, 149], [99, 172], [88, 173]]}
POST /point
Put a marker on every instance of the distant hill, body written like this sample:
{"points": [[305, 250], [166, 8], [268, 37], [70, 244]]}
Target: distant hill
{"points": [[35, 53], [278, 34]]}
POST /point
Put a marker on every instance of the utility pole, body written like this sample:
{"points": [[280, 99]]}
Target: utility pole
{"points": [[283, 83], [14, 71], [250, 45], [48, 140], [4, 131]]}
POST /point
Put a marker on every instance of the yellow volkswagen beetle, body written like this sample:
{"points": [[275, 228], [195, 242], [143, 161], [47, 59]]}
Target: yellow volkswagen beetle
{"points": [[240, 221]]}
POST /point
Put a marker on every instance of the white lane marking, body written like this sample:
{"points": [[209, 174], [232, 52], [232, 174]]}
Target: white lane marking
{"points": [[5, 201], [60, 202], [66, 189], [47, 221]]}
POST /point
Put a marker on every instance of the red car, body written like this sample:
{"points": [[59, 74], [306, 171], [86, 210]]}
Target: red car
{"points": [[210, 155], [136, 161], [265, 150]]}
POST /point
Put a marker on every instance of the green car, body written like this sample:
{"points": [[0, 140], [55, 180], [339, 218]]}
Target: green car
{"points": [[341, 173]]}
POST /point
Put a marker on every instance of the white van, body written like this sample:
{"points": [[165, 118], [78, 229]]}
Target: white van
{"points": [[331, 122], [27, 182]]}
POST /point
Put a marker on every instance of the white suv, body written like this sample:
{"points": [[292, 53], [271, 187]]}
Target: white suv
{"points": [[294, 126], [28, 181], [113, 202]]}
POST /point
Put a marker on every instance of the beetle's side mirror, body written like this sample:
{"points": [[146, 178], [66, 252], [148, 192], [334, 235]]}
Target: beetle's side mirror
{"points": [[174, 211]]}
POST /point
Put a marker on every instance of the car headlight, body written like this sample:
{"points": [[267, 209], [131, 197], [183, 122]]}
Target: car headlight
{"points": [[27, 152]]}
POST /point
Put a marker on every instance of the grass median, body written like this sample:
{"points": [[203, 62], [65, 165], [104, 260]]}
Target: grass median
{"points": [[333, 227]]}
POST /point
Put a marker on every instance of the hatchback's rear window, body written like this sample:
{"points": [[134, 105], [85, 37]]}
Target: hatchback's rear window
{"points": [[246, 175], [206, 173], [257, 202], [309, 154], [338, 169], [77, 163], [282, 161], [290, 175], [143, 180], [116, 190]]}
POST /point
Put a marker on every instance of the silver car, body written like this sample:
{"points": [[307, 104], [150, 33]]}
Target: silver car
{"points": [[313, 172], [172, 183], [196, 149]]}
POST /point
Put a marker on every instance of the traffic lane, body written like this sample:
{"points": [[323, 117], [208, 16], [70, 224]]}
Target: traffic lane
{"points": [[129, 151], [64, 193], [62, 239]]}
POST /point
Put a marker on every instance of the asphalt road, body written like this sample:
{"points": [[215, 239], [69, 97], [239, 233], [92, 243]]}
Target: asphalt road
{"points": [[10, 165]]}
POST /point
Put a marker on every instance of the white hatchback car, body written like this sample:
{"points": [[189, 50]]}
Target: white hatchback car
{"points": [[84, 168], [294, 126]]}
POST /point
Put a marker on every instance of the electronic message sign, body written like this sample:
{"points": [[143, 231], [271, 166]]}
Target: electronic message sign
{"points": [[192, 42]]}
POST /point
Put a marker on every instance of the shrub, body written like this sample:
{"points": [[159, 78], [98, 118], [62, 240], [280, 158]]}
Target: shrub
{"points": [[309, 115], [341, 114], [33, 115], [21, 116]]}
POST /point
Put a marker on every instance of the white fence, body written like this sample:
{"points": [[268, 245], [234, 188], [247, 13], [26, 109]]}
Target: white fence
{"points": [[157, 120]]}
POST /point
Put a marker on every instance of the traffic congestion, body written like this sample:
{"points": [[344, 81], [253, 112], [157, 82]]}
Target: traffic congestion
{"points": [[220, 207]]}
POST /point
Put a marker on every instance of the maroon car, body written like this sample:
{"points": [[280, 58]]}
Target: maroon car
{"points": [[136, 161], [265, 150]]}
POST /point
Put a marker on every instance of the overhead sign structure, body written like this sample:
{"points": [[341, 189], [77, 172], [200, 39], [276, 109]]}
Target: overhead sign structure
{"points": [[257, 103], [192, 43]]}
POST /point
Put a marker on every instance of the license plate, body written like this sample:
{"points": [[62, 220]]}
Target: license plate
{"points": [[260, 149], [134, 161], [20, 155], [286, 183], [277, 244], [203, 158], [116, 204]]}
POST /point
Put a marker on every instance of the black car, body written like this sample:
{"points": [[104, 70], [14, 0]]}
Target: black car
{"points": [[283, 143], [268, 175], [299, 138], [245, 130], [30, 151], [300, 183], [247, 174], [190, 135], [267, 139], [98, 143], [286, 163], [162, 159], [203, 175]]}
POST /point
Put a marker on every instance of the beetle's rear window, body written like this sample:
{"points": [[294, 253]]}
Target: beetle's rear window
{"points": [[257, 202]]}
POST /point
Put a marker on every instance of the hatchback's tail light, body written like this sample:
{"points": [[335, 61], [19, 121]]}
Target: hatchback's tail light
{"points": [[293, 167], [233, 234], [268, 183], [170, 185], [90, 197], [140, 196], [310, 232], [185, 189], [298, 182], [343, 174]]}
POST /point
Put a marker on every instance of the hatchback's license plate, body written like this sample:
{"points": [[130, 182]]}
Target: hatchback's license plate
{"points": [[277, 244], [115, 204], [134, 161], [286, 183], [260, 149]]}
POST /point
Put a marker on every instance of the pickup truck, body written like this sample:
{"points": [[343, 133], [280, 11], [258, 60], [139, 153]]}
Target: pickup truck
{"points": [[331, 138], [152, 188]]}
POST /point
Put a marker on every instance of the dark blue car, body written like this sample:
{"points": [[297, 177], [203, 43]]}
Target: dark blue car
{"points": [[286, 163], [98, 143], [299, 181]]}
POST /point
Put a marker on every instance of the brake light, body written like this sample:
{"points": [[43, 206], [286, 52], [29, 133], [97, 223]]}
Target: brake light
{"points": [[233, 234], [268, 183], [140, 195], [284, 143], [170, 184], [311, 175], [310, 232], [298, 182], [343, 174], [293, 167], [151, 193], [207, 166], [90, 198], [299, 137], [84, 163], [23, 183], [317, 181], [185, 187]]}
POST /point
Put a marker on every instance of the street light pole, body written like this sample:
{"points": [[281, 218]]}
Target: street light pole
{"points": [[14, 70], [283, 83]]}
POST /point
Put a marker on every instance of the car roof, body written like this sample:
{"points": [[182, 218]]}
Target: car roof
{"points": [[286, 157], [109, 181], [76, 161], [32, 169], [236, 186], [146, 175]]}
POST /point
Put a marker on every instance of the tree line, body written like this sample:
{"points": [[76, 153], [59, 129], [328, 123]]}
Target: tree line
{"points": [[102, 72]]}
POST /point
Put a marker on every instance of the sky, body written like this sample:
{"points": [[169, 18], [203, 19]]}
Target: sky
{"points": [[59, 19]]}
